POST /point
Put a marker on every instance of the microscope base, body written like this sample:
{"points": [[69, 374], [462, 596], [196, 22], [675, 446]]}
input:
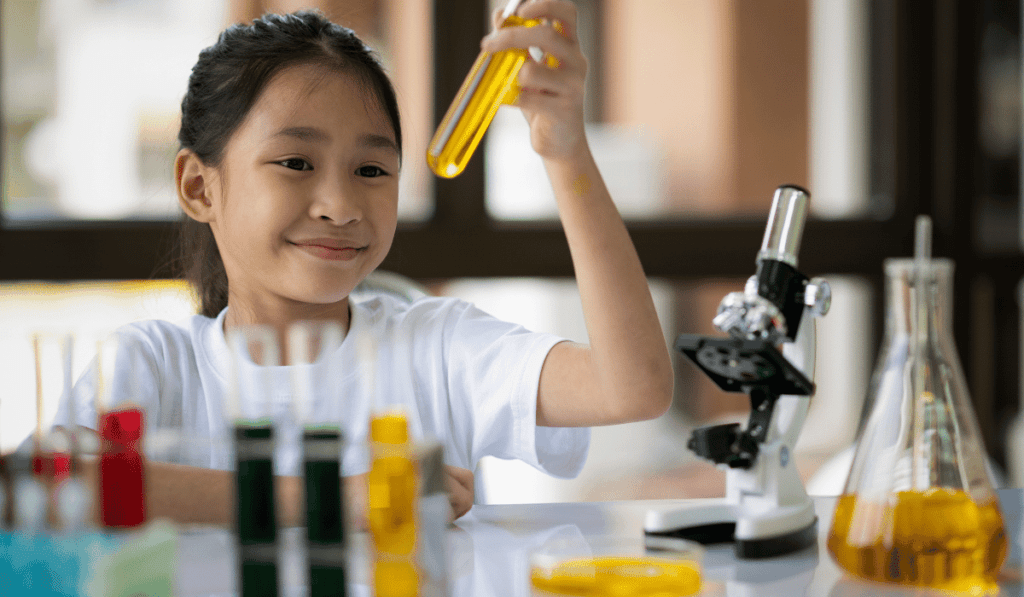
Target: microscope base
{"points": [[790, 529], [779, 545]]}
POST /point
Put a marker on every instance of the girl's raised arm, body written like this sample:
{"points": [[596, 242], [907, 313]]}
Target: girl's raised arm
{"points": [[625, 374]]}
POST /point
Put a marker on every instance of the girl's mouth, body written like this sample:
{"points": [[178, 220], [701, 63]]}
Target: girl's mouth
{"points": [[330, 253]]}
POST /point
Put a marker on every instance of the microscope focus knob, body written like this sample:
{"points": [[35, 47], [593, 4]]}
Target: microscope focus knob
{"points": [[818, 296]]}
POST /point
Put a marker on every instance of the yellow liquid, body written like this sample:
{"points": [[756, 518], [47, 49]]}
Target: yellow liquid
{"points": [[395, 579], [391, 487], [490, 83], [392, 503], [939, 538], [618, 577], [391, 507]]}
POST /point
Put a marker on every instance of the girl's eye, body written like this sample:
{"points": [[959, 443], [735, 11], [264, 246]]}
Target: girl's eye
{"points": [[371, 171], [296, 164]]}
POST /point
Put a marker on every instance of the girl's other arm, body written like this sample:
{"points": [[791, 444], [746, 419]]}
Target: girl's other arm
{"points": [[194, 495], [625, 374]]}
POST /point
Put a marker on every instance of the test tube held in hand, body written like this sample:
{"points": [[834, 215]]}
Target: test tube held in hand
{"points": [[490, 83], [253, 350], [309, 346]]}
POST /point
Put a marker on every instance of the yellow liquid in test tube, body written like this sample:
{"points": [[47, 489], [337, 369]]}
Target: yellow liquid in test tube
{"points": [[490, 83], [939, 538], [618, 576], [391, 501]]}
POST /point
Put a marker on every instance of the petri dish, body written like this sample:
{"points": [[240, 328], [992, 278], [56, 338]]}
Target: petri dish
{"points": [[617, 566]]}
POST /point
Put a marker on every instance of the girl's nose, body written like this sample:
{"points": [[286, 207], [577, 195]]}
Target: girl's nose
{"points": [[337, 202]]}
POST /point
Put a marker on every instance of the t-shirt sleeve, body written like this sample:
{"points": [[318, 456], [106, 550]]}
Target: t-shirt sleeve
{"points": [[134, 379], [494, 374]]}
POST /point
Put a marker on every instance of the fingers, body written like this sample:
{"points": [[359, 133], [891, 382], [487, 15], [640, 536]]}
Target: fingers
{"points": [[355, 500], [461, 476], [552, 10], [460, 490], [562, 43], [544, 37], [536, 77]]}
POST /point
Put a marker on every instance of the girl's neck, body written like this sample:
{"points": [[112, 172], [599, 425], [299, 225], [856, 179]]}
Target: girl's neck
{"points": [[241, 312]]}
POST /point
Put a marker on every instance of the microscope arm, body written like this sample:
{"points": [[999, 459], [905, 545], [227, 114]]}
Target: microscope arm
{"points": [[790, 410]]}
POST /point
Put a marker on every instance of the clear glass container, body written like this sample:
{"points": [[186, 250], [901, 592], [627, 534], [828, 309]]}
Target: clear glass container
{"points": [[918, 507]]}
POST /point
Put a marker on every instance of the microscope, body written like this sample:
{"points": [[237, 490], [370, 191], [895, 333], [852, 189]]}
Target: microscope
{"points": [[766, 511]]}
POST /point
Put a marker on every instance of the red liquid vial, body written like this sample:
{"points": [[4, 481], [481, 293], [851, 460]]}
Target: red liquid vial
{"points": [[122, 482]]}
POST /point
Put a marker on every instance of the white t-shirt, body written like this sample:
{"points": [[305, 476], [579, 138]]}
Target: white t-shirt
{"points": [[464, 378]]}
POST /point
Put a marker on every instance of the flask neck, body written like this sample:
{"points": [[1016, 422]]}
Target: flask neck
{"points": [[919, 304]]}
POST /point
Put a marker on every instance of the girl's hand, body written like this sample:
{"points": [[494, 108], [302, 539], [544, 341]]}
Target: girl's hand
{"points": [[551, 98], [460, 490], [460, 494]]}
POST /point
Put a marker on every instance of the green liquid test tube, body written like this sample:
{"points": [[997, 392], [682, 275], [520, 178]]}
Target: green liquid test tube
{"points": [[255, 517], [325, 520]]}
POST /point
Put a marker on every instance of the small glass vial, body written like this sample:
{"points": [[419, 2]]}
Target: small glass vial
{"points": [[918, 507]]}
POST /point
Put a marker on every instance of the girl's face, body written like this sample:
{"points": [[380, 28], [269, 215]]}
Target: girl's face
{"points": [[307, 201]]}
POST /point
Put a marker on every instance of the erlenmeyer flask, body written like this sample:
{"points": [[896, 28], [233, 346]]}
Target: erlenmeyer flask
{"points": [[918, 507]]}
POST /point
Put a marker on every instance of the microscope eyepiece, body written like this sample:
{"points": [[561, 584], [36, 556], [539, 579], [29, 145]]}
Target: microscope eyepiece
{"points": [[785, 225]]}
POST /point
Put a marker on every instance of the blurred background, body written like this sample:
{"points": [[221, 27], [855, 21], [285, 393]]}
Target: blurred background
{"points": [[697, 110]]}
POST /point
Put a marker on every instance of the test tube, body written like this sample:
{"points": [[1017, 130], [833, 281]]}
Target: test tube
{"points": [[308, 344], [31, 502], [24, 496], [392, 489], [490, 83], [49, 462], [50, 458], [73, 500], [122, 466], [255, 512]]}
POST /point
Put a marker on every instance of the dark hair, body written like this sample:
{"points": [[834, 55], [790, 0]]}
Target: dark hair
{"points": [[225, 83]]}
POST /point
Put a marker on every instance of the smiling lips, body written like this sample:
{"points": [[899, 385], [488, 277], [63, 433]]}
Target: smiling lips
{"points": [[331, 249]]}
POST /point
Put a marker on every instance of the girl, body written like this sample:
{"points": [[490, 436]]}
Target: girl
{"points": [[291, 149]]}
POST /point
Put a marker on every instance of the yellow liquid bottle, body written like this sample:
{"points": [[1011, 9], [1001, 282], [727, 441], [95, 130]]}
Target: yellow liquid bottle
{"points": [[938, 538], [392, 489], [490, 83], [615, 576]]}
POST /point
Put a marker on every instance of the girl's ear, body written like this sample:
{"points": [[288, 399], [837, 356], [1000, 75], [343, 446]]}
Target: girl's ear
{"points": [[192, 180]]}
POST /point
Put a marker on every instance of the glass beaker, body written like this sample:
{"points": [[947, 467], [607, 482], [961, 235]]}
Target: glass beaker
{"points": [[918, 507]]}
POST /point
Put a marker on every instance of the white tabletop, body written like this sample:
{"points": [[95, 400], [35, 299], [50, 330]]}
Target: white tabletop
{"points": [[491, 543]]}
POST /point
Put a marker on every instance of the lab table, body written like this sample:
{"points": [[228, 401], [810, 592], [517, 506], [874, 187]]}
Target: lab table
{"points": [[490, 547]]}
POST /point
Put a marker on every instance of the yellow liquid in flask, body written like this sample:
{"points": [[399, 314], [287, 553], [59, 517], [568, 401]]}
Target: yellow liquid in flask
{"points": [[490, 82], [938, 538], [618, 576]]}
